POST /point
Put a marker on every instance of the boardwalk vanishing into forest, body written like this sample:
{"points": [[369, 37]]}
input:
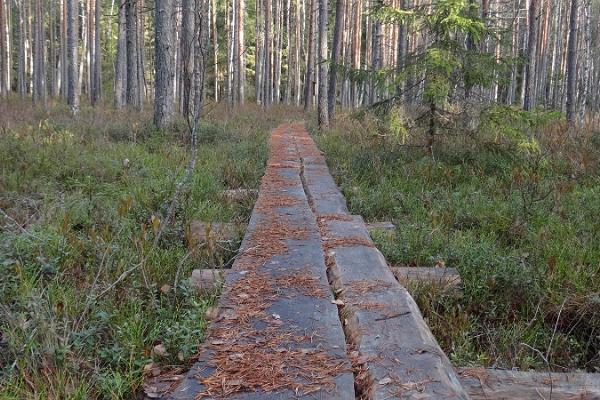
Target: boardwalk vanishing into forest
{"points": [[311, 309]]}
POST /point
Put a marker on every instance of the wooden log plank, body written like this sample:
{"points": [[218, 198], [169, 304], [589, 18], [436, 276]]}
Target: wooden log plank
{"points": [[380, 226], [495, 384], [445, 276], [384, 322], [278, 335], [394, 348]]}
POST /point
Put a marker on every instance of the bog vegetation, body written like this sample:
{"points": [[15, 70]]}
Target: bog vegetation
{"points": [[472, 125]]}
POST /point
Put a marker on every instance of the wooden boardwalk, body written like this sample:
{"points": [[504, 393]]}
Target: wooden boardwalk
{"points": [[310, 308]]}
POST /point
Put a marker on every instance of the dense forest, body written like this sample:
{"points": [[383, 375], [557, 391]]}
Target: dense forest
{"points": [[449, 55]]}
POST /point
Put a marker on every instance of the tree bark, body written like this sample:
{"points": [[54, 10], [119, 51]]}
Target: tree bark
{"points": [[268, 70], [97, 72], [530, 77], [323, 114], [164, 102], [572, 64], [4, 83], [336, 48], [310, 63], [39, 64], [187, 55], [121, 61], [72, 72], [133, 95]]}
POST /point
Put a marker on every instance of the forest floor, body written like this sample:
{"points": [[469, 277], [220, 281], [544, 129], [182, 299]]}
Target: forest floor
{"points": [[81, 199]]}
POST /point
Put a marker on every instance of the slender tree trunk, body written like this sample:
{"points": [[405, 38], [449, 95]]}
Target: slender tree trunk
{"points": [[268, 71], [310, 64], [164, 102], [141, 75], [121, 58], [572, 64], [241, 54], [323, 114], [260, 56], [586, 64], [215, 47], [97, 71], [336, 48], [133, 96], [187, 54], [290, 66], [4, 82], [21, 62], [64, 86], [39, 68], [72, 78], [297, 49], [530, 77]]}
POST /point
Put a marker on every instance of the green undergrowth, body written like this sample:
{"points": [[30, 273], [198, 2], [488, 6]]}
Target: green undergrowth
{"points": [[519, 218], [87, 298]]}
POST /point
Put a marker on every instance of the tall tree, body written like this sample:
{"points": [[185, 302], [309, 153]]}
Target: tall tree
{"points": [[164, 102], [97, 62], [4, 85], [336, 48], [39, 56], [530, 72], [310, 62], [121, 57], [572, 63], [187, 54], [268, 55], [133, 94], [72, 57], [323, 114]]}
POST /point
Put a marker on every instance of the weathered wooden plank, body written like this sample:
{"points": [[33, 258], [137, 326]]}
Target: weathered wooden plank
{"points": [[403, 358], [278, 334], [380, 226], [445, 276], [395, 354], [495, 384]]}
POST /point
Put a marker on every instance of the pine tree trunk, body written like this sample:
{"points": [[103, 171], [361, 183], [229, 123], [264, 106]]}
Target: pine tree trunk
{"points": [[21, 67], [72, 72], [64, 86], [164, 102], [289, 31], [4, 83], [260, 56], [268, 71], [215, 48], [297, 49], [572, 63], [133, 97], [310, 64], [97, 71], [323, 114], [530, 77], [121, 58], [241, 54], [187, 55], [336, 48], [39, 66], [141, 75]]}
